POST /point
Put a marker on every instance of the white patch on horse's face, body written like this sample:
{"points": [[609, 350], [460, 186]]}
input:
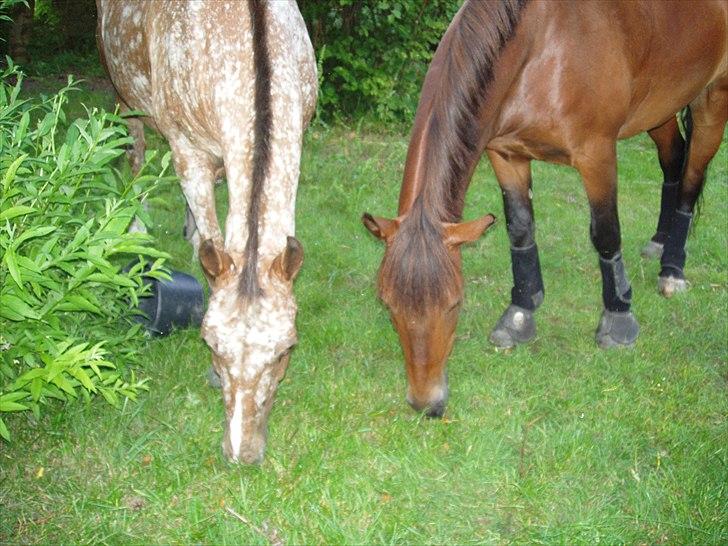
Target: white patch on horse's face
{"points": [[236, 425], [250, 343]]}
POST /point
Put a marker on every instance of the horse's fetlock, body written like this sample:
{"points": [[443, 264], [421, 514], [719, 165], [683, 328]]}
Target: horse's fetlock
{"points": [[616, 289], [528, 289]]}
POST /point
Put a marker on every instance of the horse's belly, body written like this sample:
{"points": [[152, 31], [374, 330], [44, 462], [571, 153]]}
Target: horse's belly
{"points": [[662, 103], [682, 62]]}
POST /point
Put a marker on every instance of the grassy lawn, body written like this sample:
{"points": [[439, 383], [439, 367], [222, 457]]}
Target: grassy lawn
{"points": [[556, 442]]}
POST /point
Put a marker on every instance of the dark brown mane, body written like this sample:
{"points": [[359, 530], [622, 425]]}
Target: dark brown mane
{"points": [[418, 264], [249, 286]]}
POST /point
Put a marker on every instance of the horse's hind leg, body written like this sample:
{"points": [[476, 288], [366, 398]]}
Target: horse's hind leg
{"points": [[135, 154], [709, 113], [671, 153], [598, 168], [189, 231], [517, 324]]}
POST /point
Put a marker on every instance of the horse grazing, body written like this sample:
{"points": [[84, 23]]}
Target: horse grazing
{"points": [[559, 82], [229, 84]]}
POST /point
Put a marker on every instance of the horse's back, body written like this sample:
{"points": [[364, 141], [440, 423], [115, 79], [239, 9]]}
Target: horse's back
{"points": [[626, 66], [685, 52], [190, 65]]}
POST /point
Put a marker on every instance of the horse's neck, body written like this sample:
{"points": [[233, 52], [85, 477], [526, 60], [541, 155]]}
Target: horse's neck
{"points": [[460, 104], [293, 98], [422, 174], [287, 25], [417, 182], [421, 178], [278, 219]]}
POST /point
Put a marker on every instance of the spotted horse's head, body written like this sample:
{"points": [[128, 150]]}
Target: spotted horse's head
{"points": [[251, 339]]}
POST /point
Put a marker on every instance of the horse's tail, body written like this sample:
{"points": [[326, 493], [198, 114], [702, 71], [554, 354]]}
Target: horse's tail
{"points": [[686, 118]]}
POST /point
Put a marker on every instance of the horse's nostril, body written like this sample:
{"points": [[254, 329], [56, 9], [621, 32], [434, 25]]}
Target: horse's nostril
{"points": [[431, 409], [414, 404], [437, 409]]}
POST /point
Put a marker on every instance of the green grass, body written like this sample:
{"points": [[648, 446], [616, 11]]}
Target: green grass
{"points": [[556, 442]]}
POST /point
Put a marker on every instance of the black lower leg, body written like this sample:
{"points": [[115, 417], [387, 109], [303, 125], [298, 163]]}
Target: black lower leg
{"points": [[616, 290], [605, 235], [673, 256], [527, 291], [671, 153], [617, 326], [668, 204]]}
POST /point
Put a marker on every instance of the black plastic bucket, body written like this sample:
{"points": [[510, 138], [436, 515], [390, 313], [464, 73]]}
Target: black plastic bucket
{"points": [[175, 303]]}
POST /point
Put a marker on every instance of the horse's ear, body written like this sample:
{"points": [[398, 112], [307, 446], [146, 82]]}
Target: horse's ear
{"points": [[467, 232], [214, 261], [381, 228], [288, 263]]}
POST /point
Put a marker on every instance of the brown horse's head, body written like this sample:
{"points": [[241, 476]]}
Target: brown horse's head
{"points": [[420, 281], [251, 339]]}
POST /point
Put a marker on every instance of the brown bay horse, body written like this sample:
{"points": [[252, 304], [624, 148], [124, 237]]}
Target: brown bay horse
{"points": [[231, 85], [559, 82]]}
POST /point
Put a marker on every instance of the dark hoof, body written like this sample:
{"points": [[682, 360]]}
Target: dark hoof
{"points": [[213, 379], [515, 326], [652, 250], [669, 286], [617, 329]]}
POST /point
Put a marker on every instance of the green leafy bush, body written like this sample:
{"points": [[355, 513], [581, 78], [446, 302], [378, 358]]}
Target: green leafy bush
{"points": [[373, 54], [65, 297]]}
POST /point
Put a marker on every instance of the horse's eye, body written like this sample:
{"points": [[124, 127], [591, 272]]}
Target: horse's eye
{"points": [[286, 351], [455, 306]]}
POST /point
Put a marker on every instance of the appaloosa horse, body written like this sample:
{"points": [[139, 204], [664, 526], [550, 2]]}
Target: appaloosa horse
{"points": [[230, 84], [559, 82]]}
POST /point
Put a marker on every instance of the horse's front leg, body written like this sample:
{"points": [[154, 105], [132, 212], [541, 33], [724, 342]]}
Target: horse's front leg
{"points": [[598, 168], [189, 230], [517, 324], [135, 155], [196, 170]]}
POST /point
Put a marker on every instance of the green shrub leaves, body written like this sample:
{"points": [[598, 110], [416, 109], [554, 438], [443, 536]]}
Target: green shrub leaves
{"points": [[66, 292]]}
